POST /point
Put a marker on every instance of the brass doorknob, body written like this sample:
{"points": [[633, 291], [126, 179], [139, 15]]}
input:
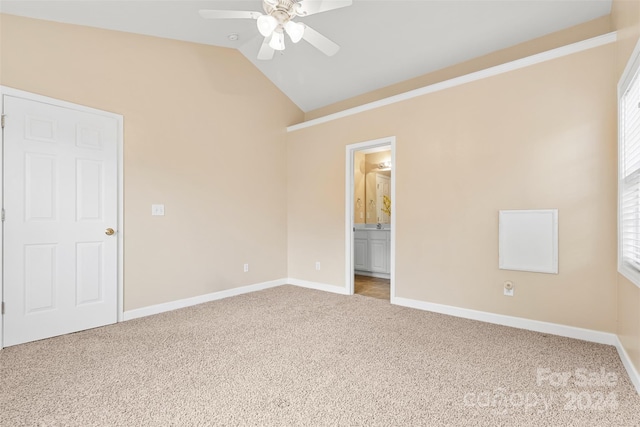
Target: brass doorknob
{"points": [[109, 231]]}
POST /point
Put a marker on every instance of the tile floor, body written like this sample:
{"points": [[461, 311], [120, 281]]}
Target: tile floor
{"points": [[372, 287]]}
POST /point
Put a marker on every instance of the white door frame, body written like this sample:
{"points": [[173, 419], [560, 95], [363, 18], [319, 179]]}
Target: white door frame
{"points": [[120, 143], [390, 142]]}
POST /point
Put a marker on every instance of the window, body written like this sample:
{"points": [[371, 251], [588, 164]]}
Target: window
{"points": [[629, 171]]}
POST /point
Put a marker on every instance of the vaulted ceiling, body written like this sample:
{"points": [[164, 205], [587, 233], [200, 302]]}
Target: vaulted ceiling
{"points": [[382, 42]]}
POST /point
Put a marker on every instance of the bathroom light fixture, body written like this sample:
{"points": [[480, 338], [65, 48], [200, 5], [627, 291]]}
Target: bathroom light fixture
{"points": [[384, 166]]}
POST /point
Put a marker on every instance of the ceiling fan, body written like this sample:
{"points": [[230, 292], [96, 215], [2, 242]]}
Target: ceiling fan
{"points": [[278, 20]]}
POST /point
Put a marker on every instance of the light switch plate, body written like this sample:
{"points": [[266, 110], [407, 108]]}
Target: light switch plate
{"points": [[157, 210]]}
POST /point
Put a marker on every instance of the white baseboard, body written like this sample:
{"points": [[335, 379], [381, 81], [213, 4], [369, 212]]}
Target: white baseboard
{"points": [[515, 322], [187, 302], [372, 274], [317, 286], [634, 376]]}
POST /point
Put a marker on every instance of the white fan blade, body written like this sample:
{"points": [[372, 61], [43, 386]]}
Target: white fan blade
{"points": [[309, 7], [229, 14], [320, 42], [266, 52]]}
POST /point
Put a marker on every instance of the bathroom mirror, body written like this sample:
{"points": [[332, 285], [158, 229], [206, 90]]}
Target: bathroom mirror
{"points": [[372, 188]]}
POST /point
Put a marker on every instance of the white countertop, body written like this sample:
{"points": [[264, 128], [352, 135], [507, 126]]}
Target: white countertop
{"points": [[371, 227]]}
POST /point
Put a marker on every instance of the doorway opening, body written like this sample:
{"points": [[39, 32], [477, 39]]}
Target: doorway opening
{"points": [[370, 218]]}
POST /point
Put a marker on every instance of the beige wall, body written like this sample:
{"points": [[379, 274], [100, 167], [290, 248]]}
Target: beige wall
{"points": [[625, 17], [539, 137], [204, 134], [561, 38]]}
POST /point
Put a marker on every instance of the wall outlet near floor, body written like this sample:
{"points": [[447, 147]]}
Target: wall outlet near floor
{"points": [[317, 265], [508, 288], [246, 268]]}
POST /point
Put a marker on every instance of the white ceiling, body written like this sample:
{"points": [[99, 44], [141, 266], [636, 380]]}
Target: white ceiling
{"points": [[382, 42]]}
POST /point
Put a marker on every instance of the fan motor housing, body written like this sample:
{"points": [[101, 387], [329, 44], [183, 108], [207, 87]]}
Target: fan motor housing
{"points": [[282, 9]]}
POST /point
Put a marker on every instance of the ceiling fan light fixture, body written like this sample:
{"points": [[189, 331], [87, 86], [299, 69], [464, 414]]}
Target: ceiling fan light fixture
{"points": [[295, 30], [277, 41], [267, 24], [277, 20]]}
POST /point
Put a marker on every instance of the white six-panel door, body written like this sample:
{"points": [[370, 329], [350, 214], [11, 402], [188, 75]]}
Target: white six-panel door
{"points": [[60, 199]]}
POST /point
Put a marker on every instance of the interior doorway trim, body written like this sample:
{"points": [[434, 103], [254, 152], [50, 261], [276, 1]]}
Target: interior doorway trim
{"points": [[351, 149], [4, 90]]}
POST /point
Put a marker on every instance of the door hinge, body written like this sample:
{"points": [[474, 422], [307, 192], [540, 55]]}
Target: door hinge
{"points": [[2, 307], [2, 120], [2, 215]]}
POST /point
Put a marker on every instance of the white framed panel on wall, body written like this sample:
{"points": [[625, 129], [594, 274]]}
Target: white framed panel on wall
{"points": [[528, 240]]}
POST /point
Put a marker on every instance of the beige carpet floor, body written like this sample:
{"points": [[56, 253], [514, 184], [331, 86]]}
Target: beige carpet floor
{"points": [[295, 357]]}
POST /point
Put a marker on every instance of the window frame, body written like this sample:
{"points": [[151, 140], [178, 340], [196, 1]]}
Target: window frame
{"points": [[629, 76]]}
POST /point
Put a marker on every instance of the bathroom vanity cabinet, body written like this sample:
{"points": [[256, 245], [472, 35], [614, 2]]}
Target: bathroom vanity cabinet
{"points": [[372, 253]]}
